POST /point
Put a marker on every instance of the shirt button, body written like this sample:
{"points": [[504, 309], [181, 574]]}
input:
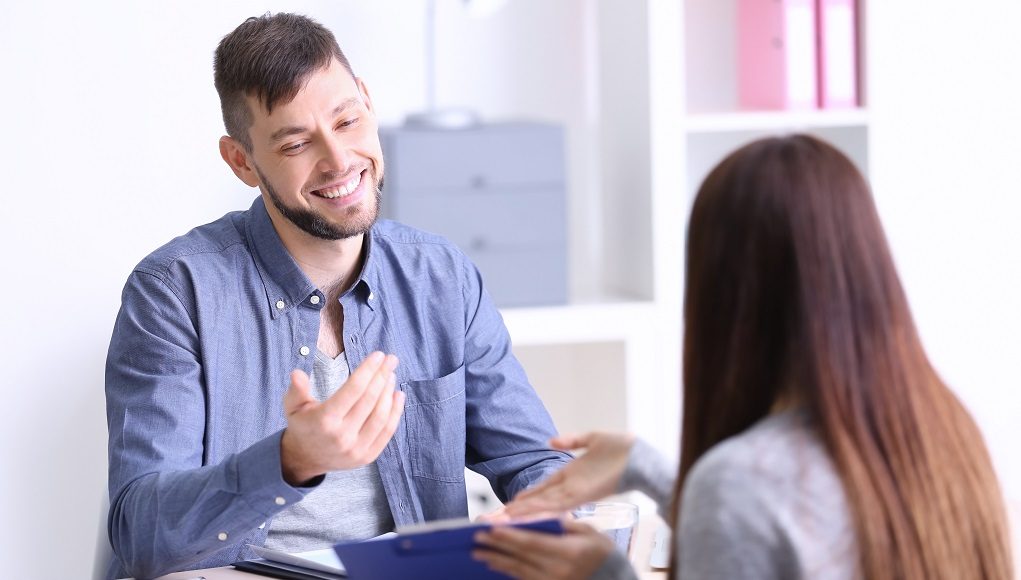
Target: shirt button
{"points": [[354, 338], [280, 501], [262, 525], [222, 536], [314, 299], [371, 296], [280, 305], [304, 352]]}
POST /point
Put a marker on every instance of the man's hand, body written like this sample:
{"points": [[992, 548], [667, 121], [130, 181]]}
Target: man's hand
{"points": [[594, 475], [348, 430]]}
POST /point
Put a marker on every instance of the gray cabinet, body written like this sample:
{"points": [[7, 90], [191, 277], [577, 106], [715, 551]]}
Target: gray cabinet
{"points": [[497, 192]]}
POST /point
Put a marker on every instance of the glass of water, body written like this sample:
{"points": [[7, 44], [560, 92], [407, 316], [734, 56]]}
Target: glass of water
{"points": [[617, 519]]}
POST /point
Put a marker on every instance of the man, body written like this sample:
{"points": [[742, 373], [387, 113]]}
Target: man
{"points": [[248, 396]]}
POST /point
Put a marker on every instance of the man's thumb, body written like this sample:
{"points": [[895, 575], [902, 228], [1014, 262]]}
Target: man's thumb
{"points": [[299, 395]]}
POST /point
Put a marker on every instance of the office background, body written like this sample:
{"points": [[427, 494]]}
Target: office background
{"points": [[109, 150]]}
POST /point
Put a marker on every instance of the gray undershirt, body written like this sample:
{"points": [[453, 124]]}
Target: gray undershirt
{"points": [[766, 504], [347, 505]]}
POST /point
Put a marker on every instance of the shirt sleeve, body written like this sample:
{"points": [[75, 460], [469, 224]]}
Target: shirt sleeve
{"points": [[727, 527], [167, 508], [507, 426]]}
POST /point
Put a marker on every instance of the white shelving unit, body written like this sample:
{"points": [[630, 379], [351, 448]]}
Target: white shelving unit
{"points": [[610, 358], [659, 99], [704, 123]]}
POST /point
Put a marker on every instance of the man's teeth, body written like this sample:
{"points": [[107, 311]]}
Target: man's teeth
{"points": [[342, 189]]}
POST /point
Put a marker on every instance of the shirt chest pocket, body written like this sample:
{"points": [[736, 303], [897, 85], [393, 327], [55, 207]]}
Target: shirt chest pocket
{"points": [[436, 428]]}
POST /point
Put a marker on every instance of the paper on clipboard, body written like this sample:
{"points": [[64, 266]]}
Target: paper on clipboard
{"points": [[324, 560], [318, 560]]}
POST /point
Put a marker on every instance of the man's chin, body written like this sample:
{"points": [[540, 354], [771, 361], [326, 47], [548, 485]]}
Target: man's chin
{"points": [[357, 220]]}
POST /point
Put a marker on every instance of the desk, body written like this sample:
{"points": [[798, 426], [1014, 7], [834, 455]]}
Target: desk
{"points": [[643, 545]]}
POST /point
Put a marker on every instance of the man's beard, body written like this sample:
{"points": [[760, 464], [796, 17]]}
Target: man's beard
{"points": [[314, 224]]}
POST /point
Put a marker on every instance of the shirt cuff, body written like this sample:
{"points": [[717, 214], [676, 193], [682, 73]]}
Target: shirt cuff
{"points": [[649, 472], [261, 480]]}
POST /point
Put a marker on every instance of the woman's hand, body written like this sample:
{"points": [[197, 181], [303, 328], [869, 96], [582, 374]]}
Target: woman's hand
{"points": [[593, 476], [526, 554]]}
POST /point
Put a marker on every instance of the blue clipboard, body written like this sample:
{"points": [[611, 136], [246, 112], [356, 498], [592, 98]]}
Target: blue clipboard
{"points": [[433, 555]]}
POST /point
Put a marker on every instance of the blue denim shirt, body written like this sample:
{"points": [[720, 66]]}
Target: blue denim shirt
{"points": [[209, 329]]}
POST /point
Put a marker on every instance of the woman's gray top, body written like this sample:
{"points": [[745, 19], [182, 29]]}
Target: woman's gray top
{"points": [[764, 504]]}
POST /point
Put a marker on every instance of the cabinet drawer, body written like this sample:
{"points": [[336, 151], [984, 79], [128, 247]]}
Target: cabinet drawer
{"points": [[478, 159], [493, 219], [523, 276]]}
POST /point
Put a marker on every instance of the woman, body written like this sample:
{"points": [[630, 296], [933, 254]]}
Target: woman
{"points": [[817, 440]]}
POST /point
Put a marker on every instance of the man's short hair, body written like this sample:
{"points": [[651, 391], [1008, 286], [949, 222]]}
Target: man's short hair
{"points": [[269, 57]]}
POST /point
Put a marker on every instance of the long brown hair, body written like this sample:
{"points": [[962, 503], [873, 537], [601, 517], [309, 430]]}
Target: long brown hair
{"points": [[791, 291]]}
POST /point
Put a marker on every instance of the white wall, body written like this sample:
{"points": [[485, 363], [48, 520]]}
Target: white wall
{"points": [[946, 169], [111, 123]]}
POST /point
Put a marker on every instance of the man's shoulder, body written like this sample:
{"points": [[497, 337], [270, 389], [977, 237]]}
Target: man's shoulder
{"points": [[392, 232], [401, 241], [211, 244]]}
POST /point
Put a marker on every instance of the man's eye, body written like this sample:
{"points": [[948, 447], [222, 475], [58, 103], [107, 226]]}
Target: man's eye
{"points": [[295, 148], [348, 123]]}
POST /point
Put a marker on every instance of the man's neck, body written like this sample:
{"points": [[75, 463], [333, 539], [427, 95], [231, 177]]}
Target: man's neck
{"points": [[332, 265]]}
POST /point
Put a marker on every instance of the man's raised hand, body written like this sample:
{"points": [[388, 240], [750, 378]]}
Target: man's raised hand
{"points": [[348, 430]]}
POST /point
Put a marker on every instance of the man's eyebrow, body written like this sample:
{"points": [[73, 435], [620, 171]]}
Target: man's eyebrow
{"points": [[294, 129]]}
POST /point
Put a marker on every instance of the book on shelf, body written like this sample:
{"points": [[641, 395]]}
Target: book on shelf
{"points": [[776, 54], [797, 54]]}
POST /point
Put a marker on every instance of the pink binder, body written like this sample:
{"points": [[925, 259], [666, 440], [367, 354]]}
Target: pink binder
{"points": [[837, 22], [777, 66]]}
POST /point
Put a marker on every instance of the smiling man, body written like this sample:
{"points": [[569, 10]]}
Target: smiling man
{"points": [[250, 396]]}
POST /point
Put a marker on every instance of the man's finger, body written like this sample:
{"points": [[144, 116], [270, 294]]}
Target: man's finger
{"points": [[358, 412], [396, 410], [377, 419], [299, 394], [356, 384]]}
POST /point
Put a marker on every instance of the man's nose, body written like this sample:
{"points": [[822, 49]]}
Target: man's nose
{"points": [[336, 158]]}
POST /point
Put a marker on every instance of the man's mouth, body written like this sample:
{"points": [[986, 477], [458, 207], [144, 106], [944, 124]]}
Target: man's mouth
{"points": [[341, 189]]}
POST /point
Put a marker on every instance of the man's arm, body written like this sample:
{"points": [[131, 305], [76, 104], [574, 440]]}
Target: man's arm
{"points": [[166, 508], [508, 428]]}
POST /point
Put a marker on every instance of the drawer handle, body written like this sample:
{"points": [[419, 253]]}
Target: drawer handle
{"points": [[478, 182]]}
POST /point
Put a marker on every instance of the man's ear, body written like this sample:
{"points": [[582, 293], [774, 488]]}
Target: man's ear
{"points": [[235, 155], [364, 90]]}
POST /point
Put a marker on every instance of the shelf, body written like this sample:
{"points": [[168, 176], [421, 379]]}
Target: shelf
{"points": [[774, 120], [577, 323]]}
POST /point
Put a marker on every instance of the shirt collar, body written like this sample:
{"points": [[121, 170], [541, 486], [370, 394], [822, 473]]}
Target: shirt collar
{"points": [[285, 284]]}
